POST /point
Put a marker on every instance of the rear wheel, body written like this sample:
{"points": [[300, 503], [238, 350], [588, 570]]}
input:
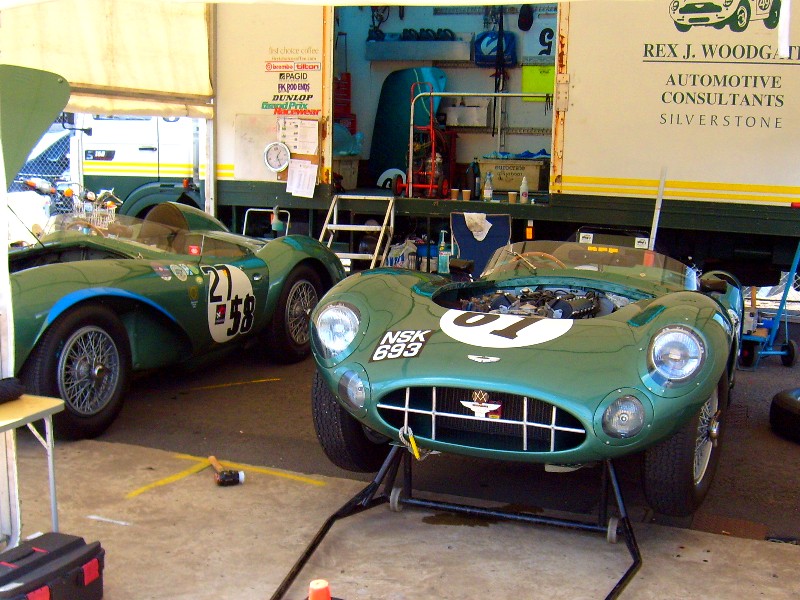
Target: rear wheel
{"points": [[789, 356], [344, 440], [678, 472], [398, 187], [747, 355], [83, 358], [771, 22], [291, 334]]}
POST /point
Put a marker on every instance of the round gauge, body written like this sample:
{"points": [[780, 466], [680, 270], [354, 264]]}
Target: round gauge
{"points": [[276, 156]]}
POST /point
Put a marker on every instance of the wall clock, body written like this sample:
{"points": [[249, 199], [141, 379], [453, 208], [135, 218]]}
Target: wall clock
{"points": [[276, 156]]}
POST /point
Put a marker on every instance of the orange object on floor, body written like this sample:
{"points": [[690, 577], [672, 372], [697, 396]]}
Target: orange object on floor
{"points": [[319, 590]]}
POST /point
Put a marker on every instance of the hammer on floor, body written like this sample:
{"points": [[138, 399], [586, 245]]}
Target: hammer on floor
{"points": [[225, 476]]}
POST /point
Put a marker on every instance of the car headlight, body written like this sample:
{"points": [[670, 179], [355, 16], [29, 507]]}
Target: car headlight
{"points": [[676, 353], [624, 418], [336, 327]]}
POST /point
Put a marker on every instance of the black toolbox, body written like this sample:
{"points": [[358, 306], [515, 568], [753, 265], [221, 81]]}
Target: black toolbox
{"points": [[52, 566]]}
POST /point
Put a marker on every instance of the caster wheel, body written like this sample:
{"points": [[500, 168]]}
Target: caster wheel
{"points": [[611, 532], [395, 505]]}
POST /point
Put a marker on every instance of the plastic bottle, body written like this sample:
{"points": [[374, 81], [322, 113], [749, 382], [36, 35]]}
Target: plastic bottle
{"points": [[524, 198], [444, 255], [474, 179], [488, 188]]}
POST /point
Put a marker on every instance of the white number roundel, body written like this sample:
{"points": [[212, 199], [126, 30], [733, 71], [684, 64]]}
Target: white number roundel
{"points": [[490, 330], [231, 303]]}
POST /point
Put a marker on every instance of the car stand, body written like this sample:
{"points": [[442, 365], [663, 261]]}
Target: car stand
{"points": [[400, 496]]}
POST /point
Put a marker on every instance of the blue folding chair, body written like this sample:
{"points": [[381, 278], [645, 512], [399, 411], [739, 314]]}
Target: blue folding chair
{"points": [[479, 251]]}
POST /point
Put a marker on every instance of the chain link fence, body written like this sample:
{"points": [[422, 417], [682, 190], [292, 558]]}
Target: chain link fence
{"points": [[49, 160]]}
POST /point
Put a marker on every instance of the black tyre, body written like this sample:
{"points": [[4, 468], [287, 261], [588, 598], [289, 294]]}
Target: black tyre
{"points": [[784, 414], [748, 353], [771, 22], [11, 388], [741, 18], [789, 356], [344, 440], [85, 359], [678, 472], [290, 330]]}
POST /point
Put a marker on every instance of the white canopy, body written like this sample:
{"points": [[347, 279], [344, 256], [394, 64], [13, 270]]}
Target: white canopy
{"points": [[129, 56]]}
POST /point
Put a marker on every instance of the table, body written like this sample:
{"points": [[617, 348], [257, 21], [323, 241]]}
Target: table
{"points": [[14, 414]]}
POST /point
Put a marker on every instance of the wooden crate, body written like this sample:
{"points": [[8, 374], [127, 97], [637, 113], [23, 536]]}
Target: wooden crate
{"points": [[347, 167]]}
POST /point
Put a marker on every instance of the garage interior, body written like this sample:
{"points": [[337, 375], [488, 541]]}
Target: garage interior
{"points": [[147, 491]]}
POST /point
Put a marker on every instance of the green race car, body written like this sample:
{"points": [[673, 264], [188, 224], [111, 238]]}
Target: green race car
{"points": [[98, 296], [561, 353]]}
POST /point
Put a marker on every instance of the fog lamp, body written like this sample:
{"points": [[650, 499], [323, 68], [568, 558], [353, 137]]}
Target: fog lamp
{"points": [[352, 389], [624, 418]]}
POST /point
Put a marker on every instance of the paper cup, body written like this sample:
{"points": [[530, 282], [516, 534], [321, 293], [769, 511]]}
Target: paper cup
{"points": [[466, 194], [454, 194], [512, 197]]}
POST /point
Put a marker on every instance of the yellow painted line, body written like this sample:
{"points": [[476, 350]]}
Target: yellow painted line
{"points": [[680, 195], [203, 463], [736, 188], [233, 384], [167, 480], [251, 468]]}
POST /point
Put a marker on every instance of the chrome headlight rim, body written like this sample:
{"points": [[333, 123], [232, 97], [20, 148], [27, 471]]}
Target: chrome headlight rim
{"points": [[676, 355], [335, 329]]}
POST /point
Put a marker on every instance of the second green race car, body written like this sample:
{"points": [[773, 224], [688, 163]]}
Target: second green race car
{"points": [[561, 353]]}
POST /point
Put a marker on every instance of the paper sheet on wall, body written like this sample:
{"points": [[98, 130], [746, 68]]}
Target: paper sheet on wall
{"points": [[302, 178], [302, 136]]}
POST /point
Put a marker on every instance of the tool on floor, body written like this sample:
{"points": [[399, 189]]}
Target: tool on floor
{"points": [[225, 477]]}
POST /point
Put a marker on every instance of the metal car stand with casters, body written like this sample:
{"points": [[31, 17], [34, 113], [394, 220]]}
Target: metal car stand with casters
{"points": [[400, 496]]}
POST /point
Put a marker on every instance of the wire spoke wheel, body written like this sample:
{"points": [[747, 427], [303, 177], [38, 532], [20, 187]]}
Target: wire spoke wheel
{"points": [[707, 432], [302, 299], [88, 370]]}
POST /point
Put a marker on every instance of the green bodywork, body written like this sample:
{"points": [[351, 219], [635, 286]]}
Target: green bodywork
{"points": [[581, 370], [162, 296]]}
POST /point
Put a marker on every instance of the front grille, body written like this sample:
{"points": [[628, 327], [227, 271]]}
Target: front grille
{"points": [[521, 424]]}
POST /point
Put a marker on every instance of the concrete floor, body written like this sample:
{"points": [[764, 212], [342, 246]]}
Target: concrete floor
{"points": [[170, 533]]}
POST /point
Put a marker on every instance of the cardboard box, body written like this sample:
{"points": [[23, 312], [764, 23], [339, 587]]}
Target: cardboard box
{"points": [[347, 167], [507, 174]]}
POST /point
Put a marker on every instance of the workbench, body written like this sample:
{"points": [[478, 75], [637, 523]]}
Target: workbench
{"points": [[25, 410]]}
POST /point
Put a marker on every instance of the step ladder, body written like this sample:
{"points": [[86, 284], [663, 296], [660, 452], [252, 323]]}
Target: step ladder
{"points": [[385, 231]]}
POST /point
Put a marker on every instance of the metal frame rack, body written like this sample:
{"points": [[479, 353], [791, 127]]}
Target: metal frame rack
{"points": [[400, 496]]}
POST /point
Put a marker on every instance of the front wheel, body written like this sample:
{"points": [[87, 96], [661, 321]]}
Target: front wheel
{"points": [[678, 472], [346, 442], [290, 324], [741, 18], [83, 358]]}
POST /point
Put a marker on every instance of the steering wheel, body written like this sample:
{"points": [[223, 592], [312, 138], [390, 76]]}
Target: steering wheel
{"points": [[84, 224], [539, 254]]}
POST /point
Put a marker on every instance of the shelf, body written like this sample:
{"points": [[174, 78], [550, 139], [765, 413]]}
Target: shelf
{"points": [[545, 131], [418, 50]]}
